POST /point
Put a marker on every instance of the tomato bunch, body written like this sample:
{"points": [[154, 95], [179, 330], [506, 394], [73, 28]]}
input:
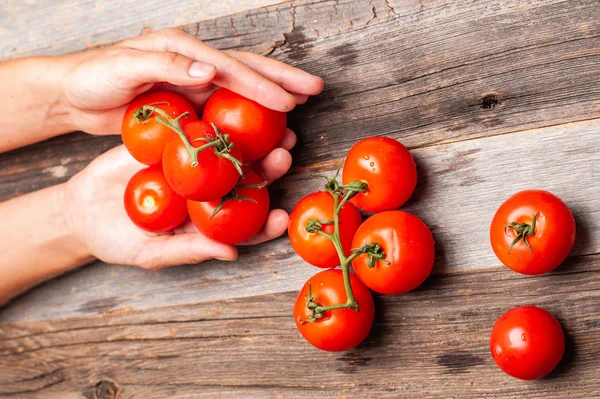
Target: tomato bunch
{"points": [[199, 167]]}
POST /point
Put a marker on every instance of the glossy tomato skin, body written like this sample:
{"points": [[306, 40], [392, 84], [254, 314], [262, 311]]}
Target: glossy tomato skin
{"points": [[257, 130], [527, 342], [313, 247], [408, 246], [212, 178], [151, 204], [237, 220], [553, 237], [146, 140], [387, 167], [340, 329]]}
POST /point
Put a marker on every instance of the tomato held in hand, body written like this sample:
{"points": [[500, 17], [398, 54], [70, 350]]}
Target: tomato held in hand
{"points": [[151, 204], [527, 342], [387, 167], [213, 177], [143, 136], [339, 329], [313, 247], [257, 130], [240, 216], [401, 252], [532, 232]]}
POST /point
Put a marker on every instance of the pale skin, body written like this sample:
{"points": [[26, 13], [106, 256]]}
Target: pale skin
{"points": [[57, 229]]}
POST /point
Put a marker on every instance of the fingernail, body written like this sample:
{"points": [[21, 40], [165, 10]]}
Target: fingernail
{"points": [[200, 69]]}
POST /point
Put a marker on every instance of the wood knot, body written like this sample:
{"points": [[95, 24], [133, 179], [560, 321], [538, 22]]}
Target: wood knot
{"points": [[490, 101], [105, 390]]}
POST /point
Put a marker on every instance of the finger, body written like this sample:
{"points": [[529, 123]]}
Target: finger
{"points": [[289, 139], [292, 79], [274, 165], [275, 226], [300, 98]]}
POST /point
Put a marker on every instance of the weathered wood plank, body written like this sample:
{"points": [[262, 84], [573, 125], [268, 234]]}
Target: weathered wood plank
{"points": [[460, 187], [432, 343]]}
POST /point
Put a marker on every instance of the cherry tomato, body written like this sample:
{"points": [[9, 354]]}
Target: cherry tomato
{"points": [[527, 342], [257, 130], [151, 204], [212, 178], [339, 329], [532, 232], [241, 216], [146, 138], [387, 167], [405, 247], [313, 247]]}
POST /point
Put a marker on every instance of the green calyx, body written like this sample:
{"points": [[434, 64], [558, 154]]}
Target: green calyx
{"points": [[374, 253], [522, 230], [233, 195]]}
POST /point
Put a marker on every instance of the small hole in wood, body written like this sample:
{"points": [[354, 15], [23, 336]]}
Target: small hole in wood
{"points": [[490, 101], [107, 390]]}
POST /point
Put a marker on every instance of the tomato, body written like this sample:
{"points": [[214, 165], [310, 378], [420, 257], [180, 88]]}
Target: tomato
{"points": [[387, 167], [237, 220], [406, 247], [313, 247], [151, 204], [339, 329], [146, 139], [527, 342], [212, 178], [257, 130], [538, 248]]}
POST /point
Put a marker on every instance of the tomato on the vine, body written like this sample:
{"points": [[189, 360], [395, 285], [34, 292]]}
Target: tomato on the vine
{"points": [[238, 216], [144, 137], [257, 130], [151, 204], [387, 167], [339, 329], [527, 342], [213, 177], [400, 252], [532, 232], [314, 248]]}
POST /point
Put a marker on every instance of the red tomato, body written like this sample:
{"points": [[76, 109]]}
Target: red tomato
{"points": [[539, 248], [238, 220], [406, 244], [313, 247], [212, 178], [151, 204], [339, 329], [257, 130], [146, 138], [527, 342], [387, 167]]}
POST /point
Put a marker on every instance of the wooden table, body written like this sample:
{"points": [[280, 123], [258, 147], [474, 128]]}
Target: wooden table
{"points": [[492, 97]]}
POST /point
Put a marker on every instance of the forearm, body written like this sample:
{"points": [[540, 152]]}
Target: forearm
{"points": [[32, 106], [36, 241]]}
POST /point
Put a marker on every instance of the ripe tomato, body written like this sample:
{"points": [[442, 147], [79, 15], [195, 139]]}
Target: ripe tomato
{"points": [[527, 247], [339, 329], [527, 342], [145, 138], [313, 247], [238, 219], [405, 243], [151, 204], [212, 178], [257, 130], [387, 167]]}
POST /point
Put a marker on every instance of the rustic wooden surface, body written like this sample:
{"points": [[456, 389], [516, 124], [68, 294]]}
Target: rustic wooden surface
{"points": [[492, 97]]}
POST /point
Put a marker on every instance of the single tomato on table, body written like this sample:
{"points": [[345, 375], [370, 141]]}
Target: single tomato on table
{"points": [[151, 204], [532, 232], [238, 216], [339, 329], [387, 167], [527, 342], [144, 137], [400, 252], [314, 248]]}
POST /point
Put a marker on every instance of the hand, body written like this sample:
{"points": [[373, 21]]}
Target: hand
{"points": [[99, 84]]}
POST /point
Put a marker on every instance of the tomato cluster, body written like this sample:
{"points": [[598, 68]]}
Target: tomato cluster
{"points": [[199, 167]]}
